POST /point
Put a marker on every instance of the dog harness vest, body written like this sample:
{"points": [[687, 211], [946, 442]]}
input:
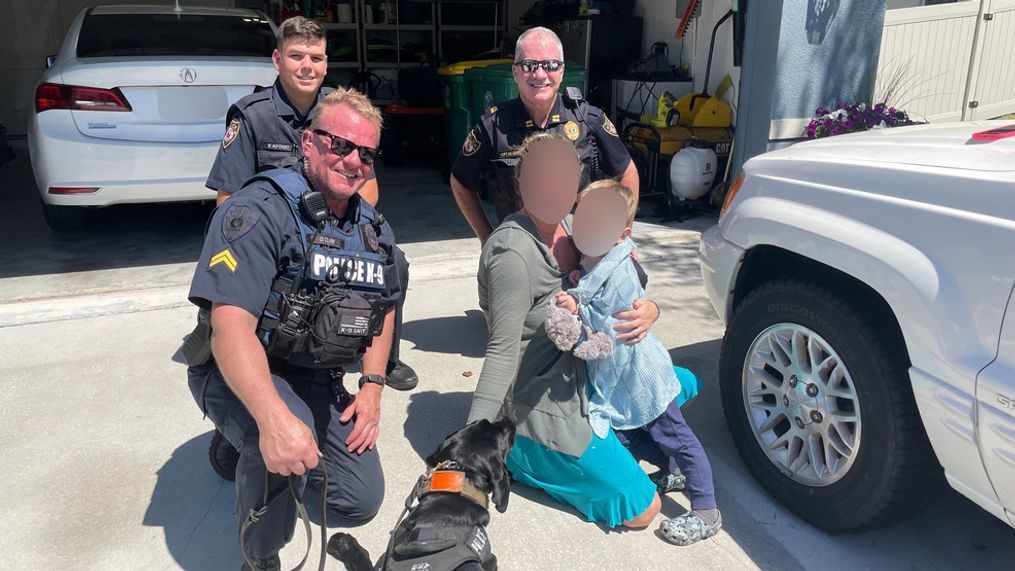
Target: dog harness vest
{"points": [[326, 306], [440, 548], [434, 548]]}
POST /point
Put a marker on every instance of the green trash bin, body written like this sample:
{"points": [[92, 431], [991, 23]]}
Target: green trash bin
{"points": [[492, 85], [457, 118]]}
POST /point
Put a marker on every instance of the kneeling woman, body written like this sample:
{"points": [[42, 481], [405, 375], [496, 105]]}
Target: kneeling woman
{"points": [[522, 267]]}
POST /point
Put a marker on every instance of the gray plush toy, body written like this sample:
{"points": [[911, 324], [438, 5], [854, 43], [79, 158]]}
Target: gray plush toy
{"points": [[568, 333]]}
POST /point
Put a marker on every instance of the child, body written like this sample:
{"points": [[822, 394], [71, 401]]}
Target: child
{"points": [[633, 387]]}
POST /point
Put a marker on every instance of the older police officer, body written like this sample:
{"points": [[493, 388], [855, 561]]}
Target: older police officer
{"points": [[299, 274], [491, 148], [263, 132]]}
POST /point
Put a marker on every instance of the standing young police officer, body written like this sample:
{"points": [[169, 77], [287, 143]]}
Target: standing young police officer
{"points": [[263, 132], [299, 275]]}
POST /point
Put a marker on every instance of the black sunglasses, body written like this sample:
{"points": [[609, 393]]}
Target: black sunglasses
{"points": [[531, 65], [342, 147]]}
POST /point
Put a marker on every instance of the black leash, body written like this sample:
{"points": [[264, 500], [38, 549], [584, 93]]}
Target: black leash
{"points": [[256, 514], [410, 501]]}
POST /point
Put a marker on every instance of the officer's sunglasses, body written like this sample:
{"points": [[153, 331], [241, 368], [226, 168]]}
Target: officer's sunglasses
{"points": [[342, 147], [531, 65]]}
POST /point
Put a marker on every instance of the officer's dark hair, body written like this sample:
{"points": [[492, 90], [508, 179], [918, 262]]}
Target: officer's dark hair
{"points": [[298, 27], [536, 138]]}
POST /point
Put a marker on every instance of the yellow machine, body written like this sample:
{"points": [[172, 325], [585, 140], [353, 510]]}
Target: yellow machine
{"points": [[702, 110], [693, 110]]}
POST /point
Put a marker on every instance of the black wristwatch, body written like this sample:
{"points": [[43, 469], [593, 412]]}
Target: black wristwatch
{"points": [[375, 379]]}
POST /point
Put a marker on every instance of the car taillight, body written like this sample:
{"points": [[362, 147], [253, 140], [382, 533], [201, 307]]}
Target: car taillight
{"points": [[731, 193], [73, 189], [55, 96]]}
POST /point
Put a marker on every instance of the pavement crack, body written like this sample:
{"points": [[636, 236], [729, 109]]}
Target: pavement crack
{"points": [[211, 502]]}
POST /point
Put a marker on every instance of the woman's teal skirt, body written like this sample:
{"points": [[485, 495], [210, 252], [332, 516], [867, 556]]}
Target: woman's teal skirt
{"points": [[605, 484]]}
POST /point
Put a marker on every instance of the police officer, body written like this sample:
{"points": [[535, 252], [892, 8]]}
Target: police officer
{"points": [[263, 132], [491, 148], [298, 272]]}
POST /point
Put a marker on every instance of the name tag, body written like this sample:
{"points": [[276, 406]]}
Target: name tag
{"points": [[355, 271], [278, 147]]}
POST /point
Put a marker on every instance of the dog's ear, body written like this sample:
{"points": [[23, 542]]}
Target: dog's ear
{"points": [[501, 482]]}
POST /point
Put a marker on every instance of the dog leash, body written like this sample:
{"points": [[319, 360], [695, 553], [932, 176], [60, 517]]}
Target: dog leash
{"points": [[410, 500], [256, 514]]}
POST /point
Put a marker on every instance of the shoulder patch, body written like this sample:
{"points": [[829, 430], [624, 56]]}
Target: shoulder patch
{"points": [[239, 220], [609, 127], [231, 133], [471, 144], [226, 258]]}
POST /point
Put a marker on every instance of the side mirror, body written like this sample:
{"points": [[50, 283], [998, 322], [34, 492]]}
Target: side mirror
{"points": [[50, 60]]}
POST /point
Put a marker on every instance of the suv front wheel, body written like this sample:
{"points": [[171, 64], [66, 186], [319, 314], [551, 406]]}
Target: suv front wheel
{"points": [[816, 395]]}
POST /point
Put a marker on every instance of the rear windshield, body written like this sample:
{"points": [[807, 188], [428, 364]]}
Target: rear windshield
{"points": [[108, 35]]}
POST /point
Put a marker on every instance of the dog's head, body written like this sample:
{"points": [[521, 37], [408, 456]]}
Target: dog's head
{"points": [[482, 448]]}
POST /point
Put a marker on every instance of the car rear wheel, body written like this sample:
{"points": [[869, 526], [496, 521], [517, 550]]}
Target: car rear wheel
{"points": [[816, 395], [60, 218]]}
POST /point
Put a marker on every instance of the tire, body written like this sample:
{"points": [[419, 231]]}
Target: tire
{"points": [[63, 218], [223, 457], [890, 466]]}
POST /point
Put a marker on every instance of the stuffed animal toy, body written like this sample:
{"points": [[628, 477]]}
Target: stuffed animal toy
{"points": [[568, 333]]}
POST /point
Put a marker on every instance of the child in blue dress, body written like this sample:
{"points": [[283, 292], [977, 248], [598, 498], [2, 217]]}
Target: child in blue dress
{"points": [[633, 388]]}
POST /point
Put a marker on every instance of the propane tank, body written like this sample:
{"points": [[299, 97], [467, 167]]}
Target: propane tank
{"points": [[692, 171]]}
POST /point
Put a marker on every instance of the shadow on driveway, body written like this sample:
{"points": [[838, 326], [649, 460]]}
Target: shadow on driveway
{"points": [[196, 510]]}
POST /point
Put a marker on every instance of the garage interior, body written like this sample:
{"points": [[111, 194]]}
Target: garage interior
{"points": [[627, 55]]}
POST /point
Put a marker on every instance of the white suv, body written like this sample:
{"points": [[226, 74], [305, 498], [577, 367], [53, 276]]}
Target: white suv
{"points": [[866, 284], [133, 109]]}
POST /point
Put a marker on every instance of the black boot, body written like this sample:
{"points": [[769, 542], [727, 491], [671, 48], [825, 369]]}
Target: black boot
{"points": [[223, 456], [401, 377]]}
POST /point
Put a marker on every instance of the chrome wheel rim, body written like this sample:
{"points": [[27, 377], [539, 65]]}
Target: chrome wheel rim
{"points": [[801, 404]]}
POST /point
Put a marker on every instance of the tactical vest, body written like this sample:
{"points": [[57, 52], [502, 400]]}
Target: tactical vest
{"points": [[438, 548], [326, 304], [503, 178]]}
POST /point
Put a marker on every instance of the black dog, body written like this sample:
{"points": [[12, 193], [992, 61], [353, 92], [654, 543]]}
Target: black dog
{"points": [[445, 530]]}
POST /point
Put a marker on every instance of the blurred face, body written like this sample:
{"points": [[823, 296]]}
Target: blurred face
{"points": [[549, 179], [539, 86], [600, 221], [301, 66], [339, 177]]}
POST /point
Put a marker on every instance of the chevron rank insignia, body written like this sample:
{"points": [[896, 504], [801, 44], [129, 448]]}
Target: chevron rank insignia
{"points": [[224, 257]]}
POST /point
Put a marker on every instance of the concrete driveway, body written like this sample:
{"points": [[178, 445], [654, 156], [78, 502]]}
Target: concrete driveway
{"points": [[105, 453]]}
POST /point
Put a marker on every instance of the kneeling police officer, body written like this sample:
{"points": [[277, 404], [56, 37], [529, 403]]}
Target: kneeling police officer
{"points": [[299, 275]]}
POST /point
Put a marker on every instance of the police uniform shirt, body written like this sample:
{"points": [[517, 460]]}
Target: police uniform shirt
{"points": [[263, 131], [493, 143], [251, 237]]}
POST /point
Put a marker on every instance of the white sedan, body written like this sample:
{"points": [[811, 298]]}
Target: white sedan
{"points": [[133, 108], [866, 282]]}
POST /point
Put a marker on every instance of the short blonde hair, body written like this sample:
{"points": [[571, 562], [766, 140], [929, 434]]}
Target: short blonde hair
{"points": [[533, 140], [612, 185], [347, 96]]}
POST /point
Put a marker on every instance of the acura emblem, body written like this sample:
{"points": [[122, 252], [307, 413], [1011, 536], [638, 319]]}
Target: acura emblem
{"points": [[188, 74]]}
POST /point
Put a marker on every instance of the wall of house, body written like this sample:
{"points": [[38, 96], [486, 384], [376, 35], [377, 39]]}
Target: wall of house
{"points": [[34, 29], [828, 53]]}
